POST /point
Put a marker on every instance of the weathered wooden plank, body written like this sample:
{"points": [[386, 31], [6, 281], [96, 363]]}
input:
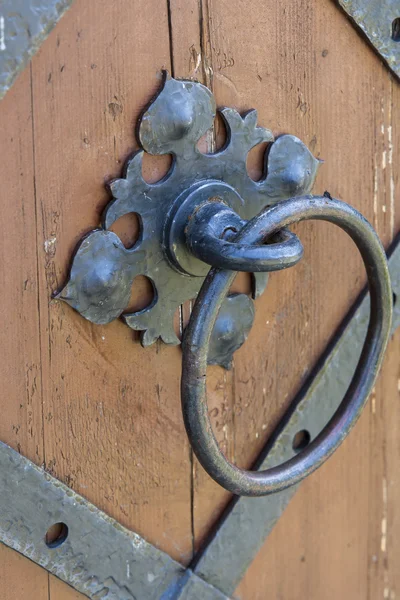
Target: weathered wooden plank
{"points": [[62, 591], [191, 59], [326, 85], [22, 579], [112, 421], [20, 368]]}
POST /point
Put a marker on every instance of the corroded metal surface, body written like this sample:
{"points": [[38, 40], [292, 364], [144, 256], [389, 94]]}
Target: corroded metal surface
{"points": [[24, 25], [187, 221], [99, 558], [377, 19], [103, 270], [202, 320]]}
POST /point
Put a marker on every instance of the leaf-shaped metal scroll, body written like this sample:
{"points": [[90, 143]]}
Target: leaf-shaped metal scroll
{"points": [[232, 327], [101, 277], [103, 270], [177, 118]]}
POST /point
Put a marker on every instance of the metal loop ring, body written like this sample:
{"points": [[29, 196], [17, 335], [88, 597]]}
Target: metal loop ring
{"points": [[210, 298], [203, 237]]}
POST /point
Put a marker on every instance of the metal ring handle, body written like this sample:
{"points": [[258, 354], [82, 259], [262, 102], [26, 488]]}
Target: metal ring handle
{"points": [[205, 311], [203, 237]]}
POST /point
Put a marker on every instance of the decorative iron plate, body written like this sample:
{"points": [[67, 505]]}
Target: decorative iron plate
{"points": [[103, 270]]}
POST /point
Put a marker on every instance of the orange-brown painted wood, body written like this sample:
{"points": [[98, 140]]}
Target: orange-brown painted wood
{"points": [[87, 401]]}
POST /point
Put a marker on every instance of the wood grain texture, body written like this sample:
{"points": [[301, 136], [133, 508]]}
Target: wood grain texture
{"points": [[337, 536], [20, 366], [21, 423], [61, 591], [87, 401], [21, 579], [106, 400], [326, 86]]}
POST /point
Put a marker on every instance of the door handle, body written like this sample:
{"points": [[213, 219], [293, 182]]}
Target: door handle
{"points": [[205, 311], [206, 213]]}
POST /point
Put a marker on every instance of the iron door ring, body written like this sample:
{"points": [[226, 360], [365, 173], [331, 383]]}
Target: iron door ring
{"points": [[194, 361]]}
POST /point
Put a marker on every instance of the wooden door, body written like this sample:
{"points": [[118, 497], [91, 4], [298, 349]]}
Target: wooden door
{"points": [[102, 414]]}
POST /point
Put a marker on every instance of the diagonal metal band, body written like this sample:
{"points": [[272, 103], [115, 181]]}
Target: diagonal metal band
{"points": [[17, 17], [379, 21], [24, 25], [99, 558], [323, 443], [102, 559], [249, 521]]}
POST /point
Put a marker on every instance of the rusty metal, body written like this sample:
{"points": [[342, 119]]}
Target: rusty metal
{"points": [[194, 360]]}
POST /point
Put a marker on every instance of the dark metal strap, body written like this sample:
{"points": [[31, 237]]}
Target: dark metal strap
{"points": [[378, 20], [97, 556], [223, 561], [24, 25], [212, 294]]}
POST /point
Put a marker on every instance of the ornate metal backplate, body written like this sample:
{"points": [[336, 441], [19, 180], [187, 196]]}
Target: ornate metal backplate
{"points": [[103, 270]]}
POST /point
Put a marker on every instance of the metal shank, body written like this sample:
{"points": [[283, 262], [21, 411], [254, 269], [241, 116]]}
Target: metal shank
{"points": [[203, 237], [212, 294]]}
